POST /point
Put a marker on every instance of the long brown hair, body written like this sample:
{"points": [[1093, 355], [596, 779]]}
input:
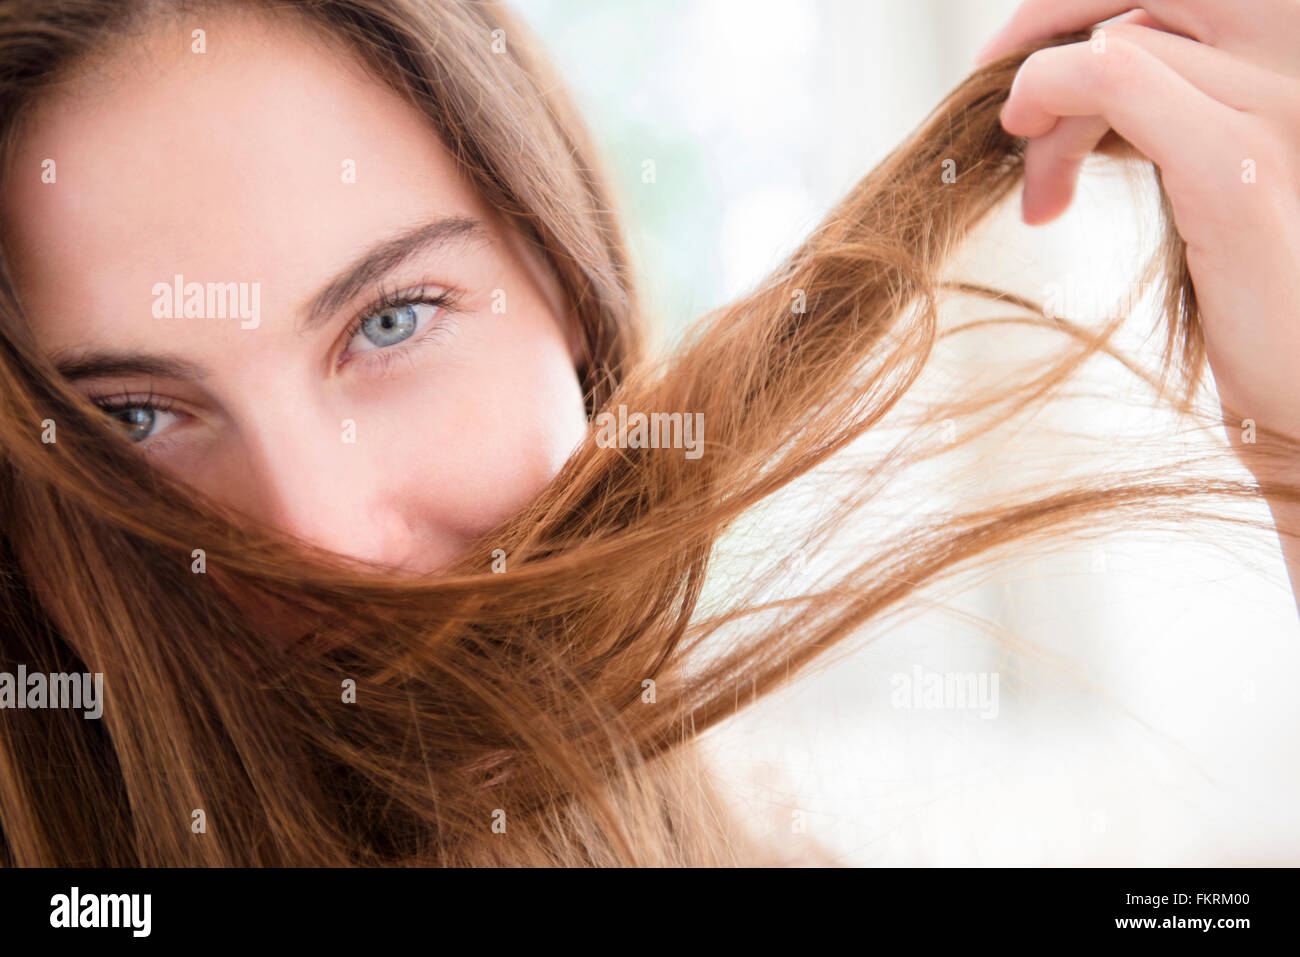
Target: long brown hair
{"points": [[546, 715]]}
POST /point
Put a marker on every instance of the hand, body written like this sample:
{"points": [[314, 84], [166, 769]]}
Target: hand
{"points": [[1210, 92]]}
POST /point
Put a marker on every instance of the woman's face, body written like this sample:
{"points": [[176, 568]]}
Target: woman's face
{"points": [[296, 380]]}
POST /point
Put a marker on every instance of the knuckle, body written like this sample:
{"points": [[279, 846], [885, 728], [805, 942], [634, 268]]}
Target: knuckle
{"points": [[1116, 69], [1035, 64]]}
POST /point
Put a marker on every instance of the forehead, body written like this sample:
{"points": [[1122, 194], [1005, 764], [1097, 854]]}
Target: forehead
{"points": [[269, 157]]}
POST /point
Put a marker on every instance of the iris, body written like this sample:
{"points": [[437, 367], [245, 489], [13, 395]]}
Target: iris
{"points": [[390, 326]]}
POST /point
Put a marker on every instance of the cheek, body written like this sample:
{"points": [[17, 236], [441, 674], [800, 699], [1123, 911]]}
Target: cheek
{"points": [[491, 432]]}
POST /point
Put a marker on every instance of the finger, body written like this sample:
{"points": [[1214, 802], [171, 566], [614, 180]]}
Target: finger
{"points": [[1052, 165], [1264, 30], [1054, 159], [1168, 120]]}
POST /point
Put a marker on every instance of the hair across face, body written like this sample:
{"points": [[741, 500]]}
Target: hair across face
{"points": [[265, 263], [558, 691]]}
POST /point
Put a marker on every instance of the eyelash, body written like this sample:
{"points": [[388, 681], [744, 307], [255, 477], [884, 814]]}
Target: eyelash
{"points": [[116, 401]]}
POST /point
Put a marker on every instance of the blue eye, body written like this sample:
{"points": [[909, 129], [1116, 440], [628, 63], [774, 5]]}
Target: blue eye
{"points": [[394, 321], [391, 326]]}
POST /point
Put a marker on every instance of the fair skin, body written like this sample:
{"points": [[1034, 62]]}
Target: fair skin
{"points": [[228, 166], [1209, 91]]}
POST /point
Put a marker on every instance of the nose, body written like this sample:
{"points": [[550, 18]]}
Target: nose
{"points": [[304, 479]]}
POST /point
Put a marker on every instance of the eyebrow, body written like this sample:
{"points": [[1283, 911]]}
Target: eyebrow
{"points": [[96, 365], [386, 256]]}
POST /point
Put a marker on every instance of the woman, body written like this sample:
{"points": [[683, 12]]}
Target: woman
{"points": [[306, 301]]}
